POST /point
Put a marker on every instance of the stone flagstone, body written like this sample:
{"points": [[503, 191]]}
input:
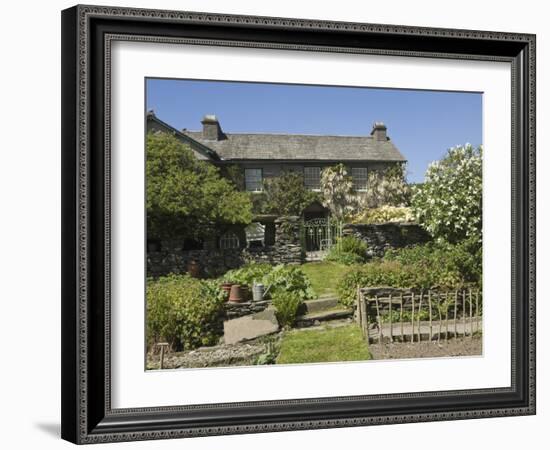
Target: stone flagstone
{"points": [[250, 327]]}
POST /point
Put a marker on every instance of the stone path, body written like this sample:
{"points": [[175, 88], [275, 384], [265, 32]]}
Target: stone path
{"points": [[250, 327]]}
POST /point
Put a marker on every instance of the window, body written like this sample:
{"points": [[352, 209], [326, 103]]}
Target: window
{"points": [[229, 240], [255, 235], [312, 178], [253, 180], [359, 177]]}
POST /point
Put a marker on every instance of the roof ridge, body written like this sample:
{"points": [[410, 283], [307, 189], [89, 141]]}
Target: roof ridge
{"points": [[287, 134]]}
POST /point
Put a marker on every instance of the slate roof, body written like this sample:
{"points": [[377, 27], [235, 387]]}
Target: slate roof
{"points": [[202, 152], [249, 146], [294, 147]]}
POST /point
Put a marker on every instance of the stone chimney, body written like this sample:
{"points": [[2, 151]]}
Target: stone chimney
{"points": [[379, 131], [211, 129]]}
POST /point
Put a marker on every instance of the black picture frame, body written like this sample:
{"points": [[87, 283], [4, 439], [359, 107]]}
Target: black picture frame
{"points": [[87, 416]]}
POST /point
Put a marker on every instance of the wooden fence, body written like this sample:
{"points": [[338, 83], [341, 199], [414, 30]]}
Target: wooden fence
{"points": [[403, 315]]}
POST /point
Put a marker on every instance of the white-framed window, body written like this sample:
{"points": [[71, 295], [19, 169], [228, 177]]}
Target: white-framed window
{"points": [[359, 177], [312, 178], [253, 180], [229, 240]]}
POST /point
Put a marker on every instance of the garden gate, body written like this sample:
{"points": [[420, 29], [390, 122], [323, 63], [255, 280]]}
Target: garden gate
{"points": [[320, 234]]}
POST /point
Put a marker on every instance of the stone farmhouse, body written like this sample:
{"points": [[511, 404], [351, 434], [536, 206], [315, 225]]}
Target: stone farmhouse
{"points": [[266, 155]]}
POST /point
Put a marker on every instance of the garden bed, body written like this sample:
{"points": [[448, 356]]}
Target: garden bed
{"points": [[449, 348]]}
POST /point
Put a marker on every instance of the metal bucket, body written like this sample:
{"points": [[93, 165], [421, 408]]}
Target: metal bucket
{"points": [[257, 292]]}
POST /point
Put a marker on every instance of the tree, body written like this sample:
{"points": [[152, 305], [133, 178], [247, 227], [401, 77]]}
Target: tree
{"points": [[338, 193], [387, 187], [188, 198], [286, 195], [448, 203]]}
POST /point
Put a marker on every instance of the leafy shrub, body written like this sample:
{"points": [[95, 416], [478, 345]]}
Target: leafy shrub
{"points": [[384, 214], [183, 311], [247, 274], [288, 279], [452, 265], [348, 259], [448, 203], [279, 278], [348, 250], [286, 306], [398, 275], [285, 195]]}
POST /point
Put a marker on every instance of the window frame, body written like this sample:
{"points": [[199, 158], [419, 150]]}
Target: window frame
{"points": [[261, 171], [354, 178], [313, 189]]}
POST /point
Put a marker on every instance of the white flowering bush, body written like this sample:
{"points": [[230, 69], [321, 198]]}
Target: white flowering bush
{"points": [[385, 214], [387, 187], [338, 194], [448, 203]]}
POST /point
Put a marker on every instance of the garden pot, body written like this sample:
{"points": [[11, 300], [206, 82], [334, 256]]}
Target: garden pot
{"points": [[236, 295], [245, 293], [226, 288], [193, 268]]}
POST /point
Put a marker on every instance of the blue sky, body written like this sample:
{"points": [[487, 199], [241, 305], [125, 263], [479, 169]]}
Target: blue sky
{"points": [[422, 124]]}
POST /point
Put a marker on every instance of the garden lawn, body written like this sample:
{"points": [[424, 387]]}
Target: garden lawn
{"points": [[324, 276], [343, 343]]}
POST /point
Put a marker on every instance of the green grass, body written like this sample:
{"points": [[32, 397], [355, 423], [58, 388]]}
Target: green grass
{"points": [[324, 275], [344, 343]]}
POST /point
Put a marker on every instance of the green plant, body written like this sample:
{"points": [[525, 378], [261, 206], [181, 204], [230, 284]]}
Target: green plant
{"points": [[286, 195], [183, 311], [272, 347], [448, 203], [288, 279], [286, 306], [188, 198], [453, 265], [394, 273], [247, 274], [348, 259], [348, 250]]}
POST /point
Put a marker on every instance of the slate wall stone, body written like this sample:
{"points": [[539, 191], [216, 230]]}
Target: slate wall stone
{"points": [[173, 258], [380, 237]]}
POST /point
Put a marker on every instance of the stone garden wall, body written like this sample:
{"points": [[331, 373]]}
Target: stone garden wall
{"points": [[173, 258], [380, 237]]}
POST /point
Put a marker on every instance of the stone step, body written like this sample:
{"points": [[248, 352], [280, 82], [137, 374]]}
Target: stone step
{"points": [[315, 318], [320, 304]]}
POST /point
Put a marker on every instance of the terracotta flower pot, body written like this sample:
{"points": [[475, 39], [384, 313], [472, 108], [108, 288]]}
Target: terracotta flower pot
{"points": [[193, 268], [226, 288], [235, 295]]}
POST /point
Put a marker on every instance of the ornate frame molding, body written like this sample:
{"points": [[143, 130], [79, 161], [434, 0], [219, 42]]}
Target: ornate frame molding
{"points": [[84, 257]]}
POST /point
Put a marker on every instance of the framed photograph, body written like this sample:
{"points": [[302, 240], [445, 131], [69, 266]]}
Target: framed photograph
{"points": [[279, 224]]}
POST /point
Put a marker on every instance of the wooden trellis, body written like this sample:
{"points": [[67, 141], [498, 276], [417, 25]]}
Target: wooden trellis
{"points": [[399, 315]]}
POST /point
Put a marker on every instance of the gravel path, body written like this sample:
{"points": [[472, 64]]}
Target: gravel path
{"points": [[452, 347]]}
